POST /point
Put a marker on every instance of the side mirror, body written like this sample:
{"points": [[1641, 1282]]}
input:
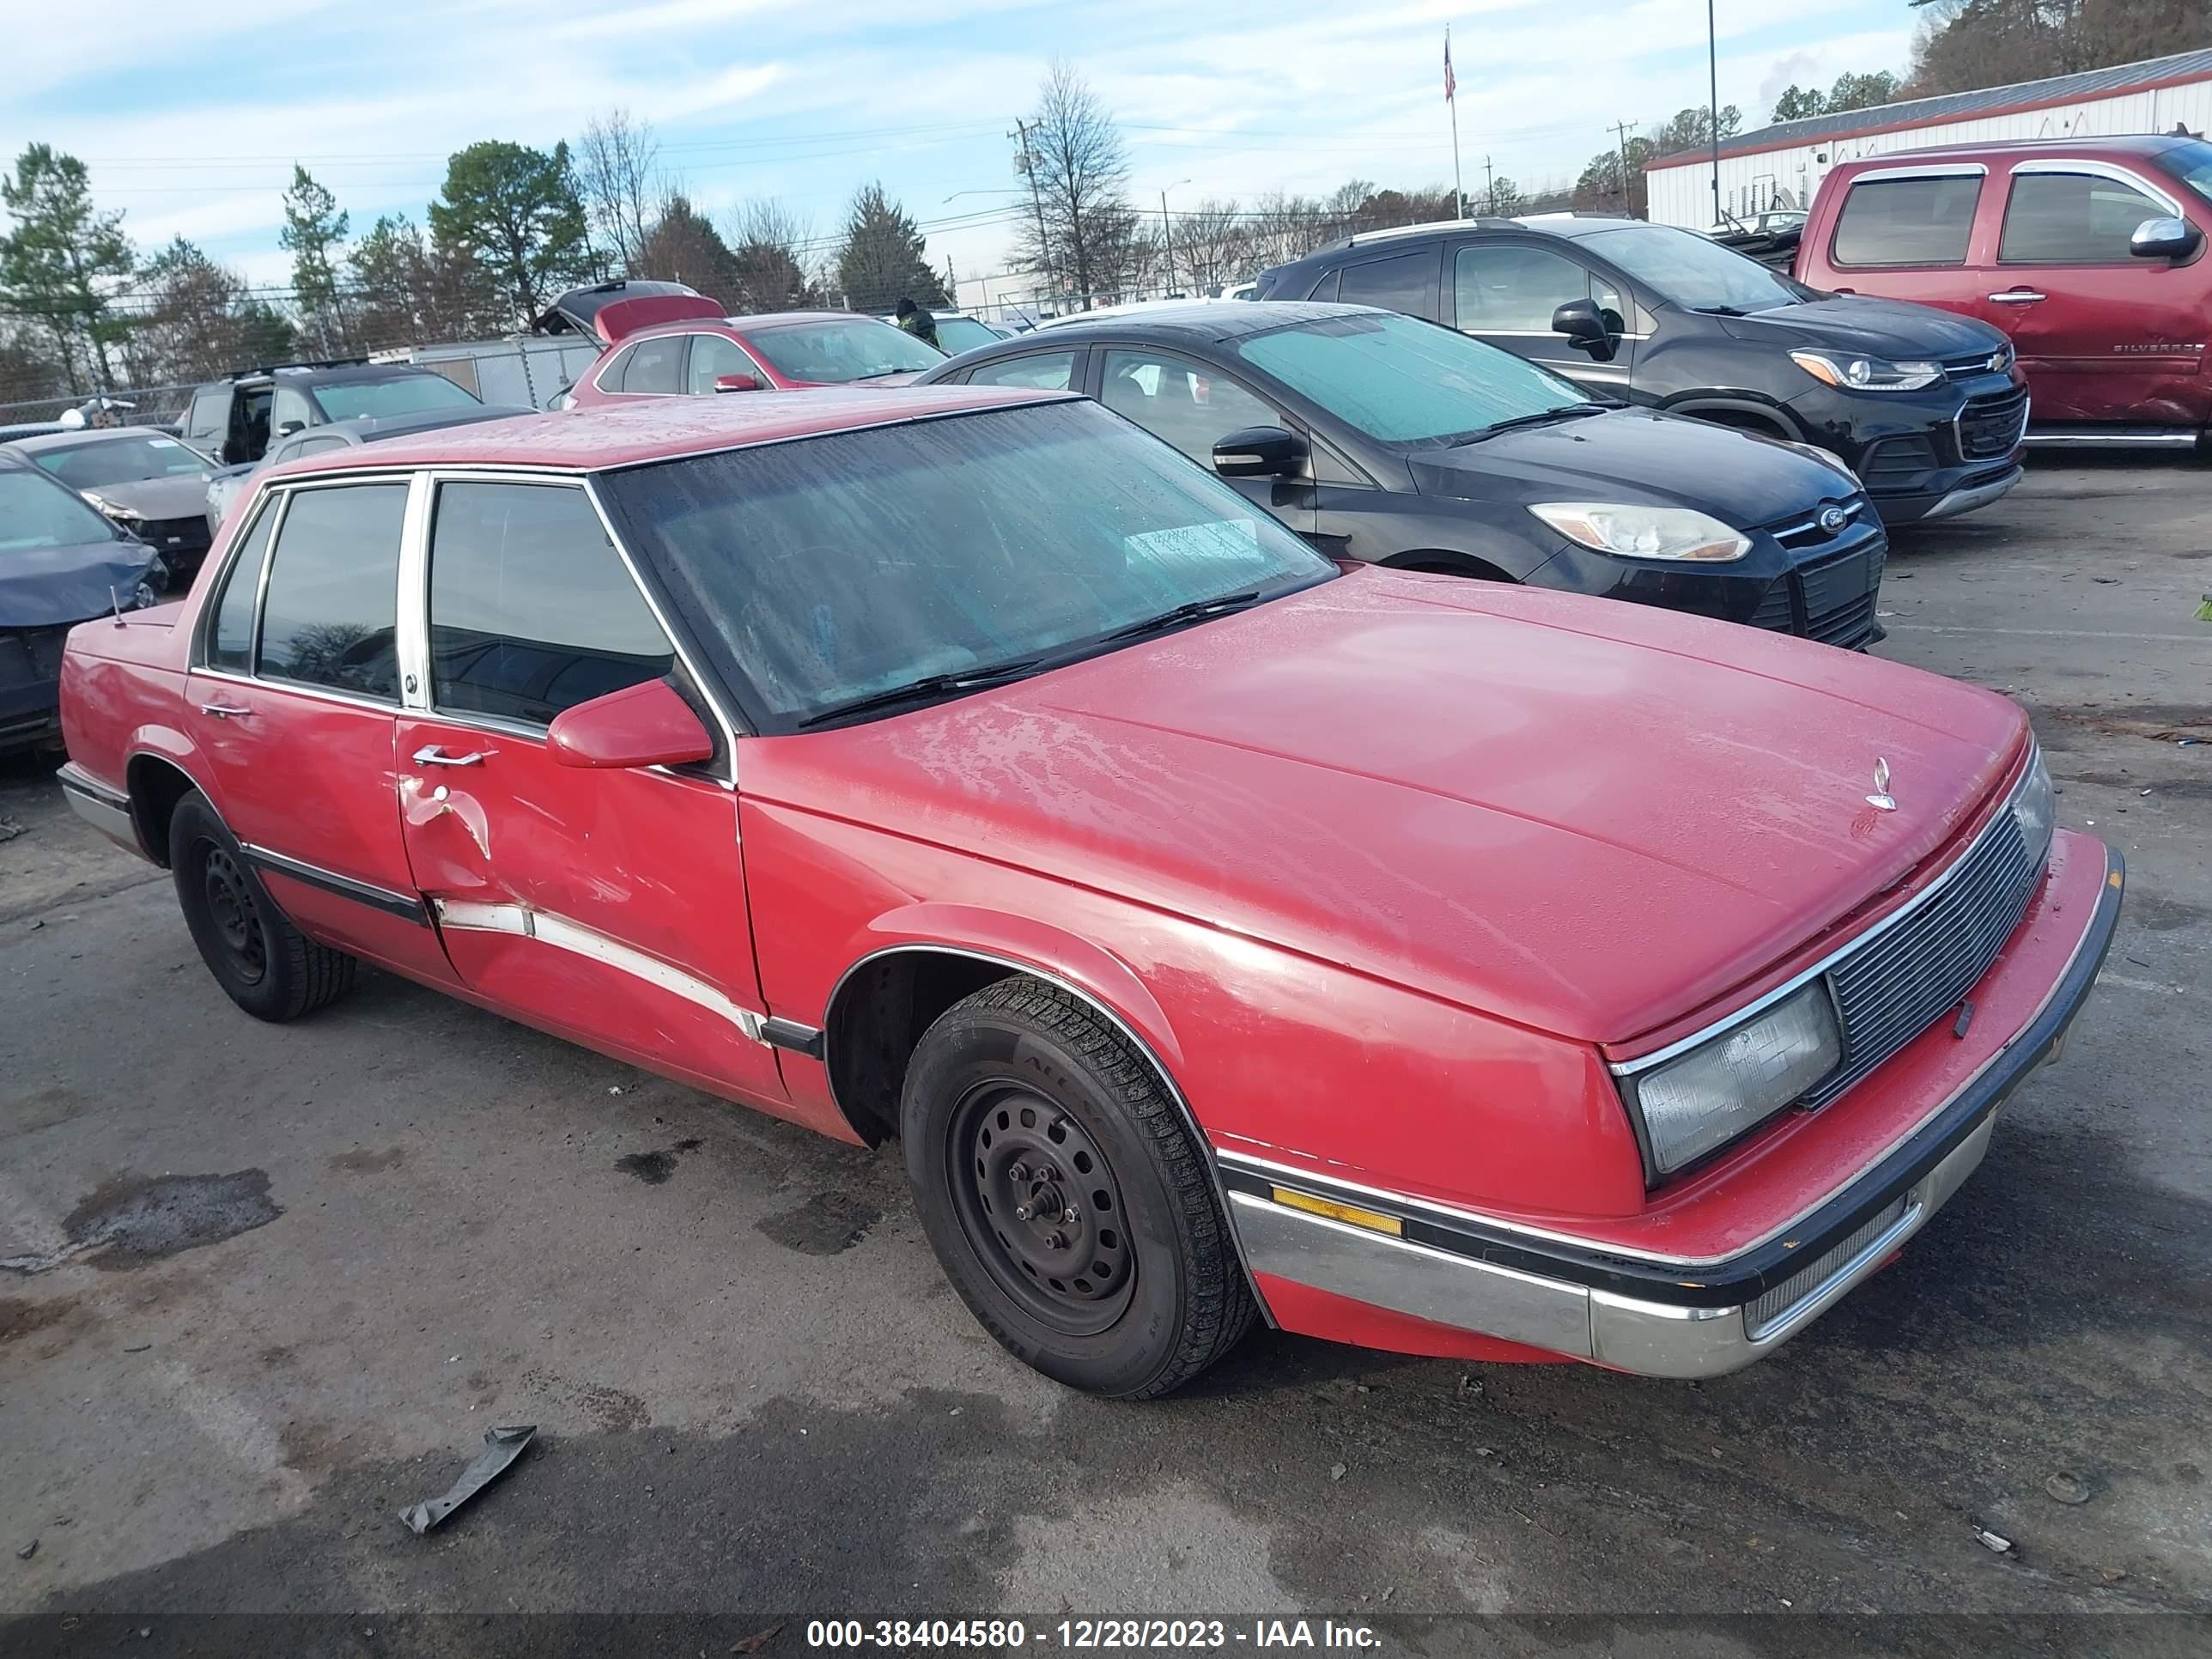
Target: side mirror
{"points": [[287, 428], [737, 383], [645, 725], [2164, 239], [1584, 325], [1260, 452]]}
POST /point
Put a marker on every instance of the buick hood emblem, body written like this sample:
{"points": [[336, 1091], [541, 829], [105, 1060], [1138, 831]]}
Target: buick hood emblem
{"points": [[1833, 518], [1881, 800]]}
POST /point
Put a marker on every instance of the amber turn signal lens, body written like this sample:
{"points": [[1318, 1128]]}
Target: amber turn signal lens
{"points": [[1351, 1214]]}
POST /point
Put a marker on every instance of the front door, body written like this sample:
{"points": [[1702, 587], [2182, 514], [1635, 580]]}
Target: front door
{"points": [[1194, 406], [2104, 336], [1503, 293], [608, 906], [293, 697]]}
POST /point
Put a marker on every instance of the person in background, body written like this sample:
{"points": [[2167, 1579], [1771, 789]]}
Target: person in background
{"points": [[916, 321]]}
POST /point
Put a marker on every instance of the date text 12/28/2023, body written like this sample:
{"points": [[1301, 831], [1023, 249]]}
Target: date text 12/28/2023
{"points": [[1089, 1635]]}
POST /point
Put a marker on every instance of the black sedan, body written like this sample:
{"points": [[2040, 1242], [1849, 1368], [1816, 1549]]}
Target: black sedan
{"points": [[1393, 441], [152, 485]]}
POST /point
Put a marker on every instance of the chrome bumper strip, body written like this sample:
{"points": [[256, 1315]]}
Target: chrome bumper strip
{"points": [[105, 809]]}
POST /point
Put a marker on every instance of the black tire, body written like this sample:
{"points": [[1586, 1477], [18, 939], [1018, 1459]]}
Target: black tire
{"points": [[264, 963], [1125, 1188]]}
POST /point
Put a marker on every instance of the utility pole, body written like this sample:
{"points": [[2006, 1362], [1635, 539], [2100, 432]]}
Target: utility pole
{"points": [[1451, 103], [1167, 244], [1713, 111], [1027, 163], [1628, 198], [1490, 186]]}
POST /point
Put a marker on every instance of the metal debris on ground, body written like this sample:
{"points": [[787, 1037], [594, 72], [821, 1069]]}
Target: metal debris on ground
{"points": [[1993, 1541], [1336, 1471], [28, 1551], [2068, 1487], [10, 828], [756, 1642], [502, 1447]]}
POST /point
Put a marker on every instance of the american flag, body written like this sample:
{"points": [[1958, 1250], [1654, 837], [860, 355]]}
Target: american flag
{"points": [[1451, 85]]}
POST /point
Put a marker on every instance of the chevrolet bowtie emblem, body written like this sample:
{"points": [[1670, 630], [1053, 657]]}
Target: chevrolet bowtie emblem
{"points": [[1881, 800]]}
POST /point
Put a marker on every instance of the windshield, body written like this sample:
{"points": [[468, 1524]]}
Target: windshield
{"points": [[831, 569], [95, 462], [959, 334], [36, 514], [2191, 163], [842, 349], [1694, 272], [1403, 382], [403, 394]]}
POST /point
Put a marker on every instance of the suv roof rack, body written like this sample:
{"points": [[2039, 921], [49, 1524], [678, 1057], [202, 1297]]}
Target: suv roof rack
{"points": [[316, 362], [1361, 239]]}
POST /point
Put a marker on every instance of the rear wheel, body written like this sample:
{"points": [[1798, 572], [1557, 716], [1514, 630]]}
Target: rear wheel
{"points": [[1065, 1197], [264, 963]]}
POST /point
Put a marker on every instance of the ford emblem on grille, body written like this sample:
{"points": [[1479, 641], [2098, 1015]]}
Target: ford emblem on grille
{"points": [[1834, 519], [1881, 800]]}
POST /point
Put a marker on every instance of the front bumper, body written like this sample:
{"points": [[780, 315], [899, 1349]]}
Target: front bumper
{"points": [[1652, 1317]]}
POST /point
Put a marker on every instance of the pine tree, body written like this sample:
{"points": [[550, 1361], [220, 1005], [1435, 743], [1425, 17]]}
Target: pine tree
{"points": [[54, 264], [314, 228], [885, 258]]}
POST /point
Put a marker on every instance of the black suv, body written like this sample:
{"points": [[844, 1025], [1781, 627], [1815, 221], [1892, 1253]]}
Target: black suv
{"points": [[1928, 408], [235, 418]]}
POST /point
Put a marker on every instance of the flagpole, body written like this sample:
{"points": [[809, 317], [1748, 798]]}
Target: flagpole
{"points": [[1451, 102]]}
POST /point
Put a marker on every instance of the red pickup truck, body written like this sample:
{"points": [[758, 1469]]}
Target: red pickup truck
{"points": [[1438, 965], [2089, 252]]}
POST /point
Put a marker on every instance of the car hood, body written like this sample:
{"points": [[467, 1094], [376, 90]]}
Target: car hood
{"points": [[1636, 456], [1588, 816], [45, 587], [1884, 328], [182, 495]]}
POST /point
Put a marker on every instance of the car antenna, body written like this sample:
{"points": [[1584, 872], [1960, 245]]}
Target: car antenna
{"points": [[116, 600]]}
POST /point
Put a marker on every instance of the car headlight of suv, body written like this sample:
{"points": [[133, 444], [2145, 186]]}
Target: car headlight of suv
{"points": [[2034, 810], [1645, 532], [114, 510], [1848, 372], [1731, 1083]]}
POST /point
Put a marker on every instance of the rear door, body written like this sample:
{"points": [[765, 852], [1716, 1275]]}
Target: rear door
{"points": [[1503, 292], [1913, 234], [608, 906], [2104, 336]]}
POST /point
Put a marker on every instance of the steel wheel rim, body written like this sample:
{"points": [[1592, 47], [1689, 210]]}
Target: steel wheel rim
{"points": [[1041, 1207], [231, 908]]}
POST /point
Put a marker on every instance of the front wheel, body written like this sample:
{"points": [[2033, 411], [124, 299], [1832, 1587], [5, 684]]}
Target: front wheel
{"points": [[264, 963], [1066, 1198]]}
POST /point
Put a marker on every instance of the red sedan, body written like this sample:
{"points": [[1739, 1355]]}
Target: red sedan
{"points": [[1226, 935], [783, 351]]}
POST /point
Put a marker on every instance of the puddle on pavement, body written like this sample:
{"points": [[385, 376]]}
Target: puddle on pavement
{"points": [[826, 1224], [127, 1222], [654, 1167]]}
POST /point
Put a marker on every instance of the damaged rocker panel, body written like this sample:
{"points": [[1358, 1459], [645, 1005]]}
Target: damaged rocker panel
{"points": [[406, 906]]}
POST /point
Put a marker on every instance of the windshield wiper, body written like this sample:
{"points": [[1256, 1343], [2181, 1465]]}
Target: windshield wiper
{"points": [[929, 685], [881, 373], [1195, 610], [1541, 417]]}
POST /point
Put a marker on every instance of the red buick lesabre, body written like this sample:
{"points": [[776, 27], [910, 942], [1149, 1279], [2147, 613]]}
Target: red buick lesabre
{"points": [[1455, 968]]}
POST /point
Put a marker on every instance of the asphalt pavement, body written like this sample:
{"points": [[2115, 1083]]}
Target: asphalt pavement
{"points": [[270, 1286]]}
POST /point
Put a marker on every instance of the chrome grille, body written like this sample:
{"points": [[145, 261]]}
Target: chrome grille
{"points": [[1762, 1316], [1913, 973], [1991, 427]]}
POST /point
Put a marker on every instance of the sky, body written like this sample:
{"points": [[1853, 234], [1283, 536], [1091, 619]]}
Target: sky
{"points": [[191, 115]]}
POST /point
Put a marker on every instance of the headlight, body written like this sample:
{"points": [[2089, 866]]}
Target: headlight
{"points": [[1710, 1096], [2034, 810], [1644, 532], [1854, 374], [115, 510]]}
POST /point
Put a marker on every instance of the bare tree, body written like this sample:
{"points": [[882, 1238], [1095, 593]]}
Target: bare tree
{"points": [[768, 246], [1080, 170], [624, 189], [1211, 244]]}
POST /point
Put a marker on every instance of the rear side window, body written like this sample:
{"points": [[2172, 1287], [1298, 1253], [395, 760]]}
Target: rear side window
{"points": [[654, 365], [332, 613], [1326, 288], [230, 645], [2071, 219], [1047, 371], [532, 609], [1406, 283], [1907, 222]]}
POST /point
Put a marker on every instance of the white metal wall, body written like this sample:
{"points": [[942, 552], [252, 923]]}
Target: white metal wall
{"points": [[1789, 178]]}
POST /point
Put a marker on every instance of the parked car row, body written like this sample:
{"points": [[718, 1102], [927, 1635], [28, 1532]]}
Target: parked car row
{"points": [[1224, 930]]}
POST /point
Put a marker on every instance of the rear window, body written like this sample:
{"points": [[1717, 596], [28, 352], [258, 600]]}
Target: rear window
{"points": [[1907, 222]]}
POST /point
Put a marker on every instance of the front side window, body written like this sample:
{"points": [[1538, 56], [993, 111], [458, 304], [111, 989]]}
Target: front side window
{"points": [[532, 611], [1513, 288], [2071, 219], [230, 640], [1401, 381], [122, 460], [842, 349], [1907, 222], [1191, 406], [1406, 283], [399, 394], [713, 356], [1046, 371], [291, 408], [332, 615], [1693, 271], [824, 570]]}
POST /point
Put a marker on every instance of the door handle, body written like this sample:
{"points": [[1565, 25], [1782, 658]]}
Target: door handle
{"points": [[432, 754], [2016, 296], [225, 711]]}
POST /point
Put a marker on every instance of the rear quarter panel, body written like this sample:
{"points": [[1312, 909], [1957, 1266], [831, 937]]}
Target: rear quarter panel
{"points": [[122, 692]]}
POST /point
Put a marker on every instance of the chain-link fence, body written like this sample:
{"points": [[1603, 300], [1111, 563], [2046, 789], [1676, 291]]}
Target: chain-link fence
{"points": [[125, 406]]}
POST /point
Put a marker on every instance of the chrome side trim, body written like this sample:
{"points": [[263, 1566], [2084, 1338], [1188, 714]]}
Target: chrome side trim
{"points": [[1933, 170], [105, 809], [2118, 174], [412, 646], [407, 906], [562, 934], [2137, 439], [1190, 1122], [1851, 947], [301, 688]]}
